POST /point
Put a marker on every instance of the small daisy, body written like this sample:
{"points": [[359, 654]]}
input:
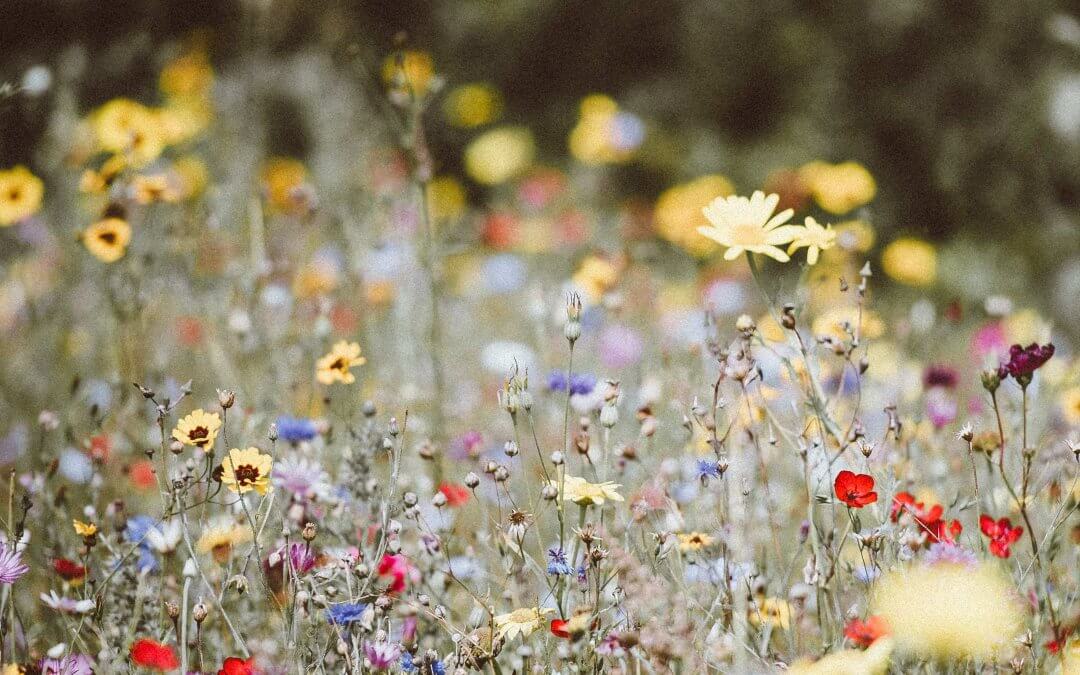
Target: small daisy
{"points": [[335, 366], [198, 428], [246, 470], [521, 622], [814, 238], [748, 225], [11, 565], [67, 605]]}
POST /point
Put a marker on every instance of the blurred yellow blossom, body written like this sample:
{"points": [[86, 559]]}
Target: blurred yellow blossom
{"points": [[1070, 405], [854, 235], [584, 493], [446, 198], [814, 238], [873, 661], [694, 541], [748, 225], [678, 213], [281, 176], [770, 611], [473, 105], [910, 261], [84, 529], [499, 155], [595, 276], [603, 134], [191, 174], [1026, 326], [188, 75], [521, 622], [107, 239], [836, 322], [21, 193], [129, 128], [153, 188], [336, 366], [409, 72], [839, 188]]}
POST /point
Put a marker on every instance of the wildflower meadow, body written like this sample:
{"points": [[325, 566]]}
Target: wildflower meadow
{"points": [[432, 395]]}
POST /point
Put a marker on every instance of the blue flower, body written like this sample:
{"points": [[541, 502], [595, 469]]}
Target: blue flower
{"points": [[580, 383], [136, 530], [706, 469], [409, 665], [295, 429], [557, 562], [345, 613]]}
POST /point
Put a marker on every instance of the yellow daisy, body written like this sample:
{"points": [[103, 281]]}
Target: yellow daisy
{"points": [[246, 470], [775, 611], [84, 529], [20, 195], [748, 225], [584, 493], [1070, 404], [694, 541], [125, 126], [334, 367], [521, 622], [198, 428], [815, 239], [220, 537], [107, 239]]}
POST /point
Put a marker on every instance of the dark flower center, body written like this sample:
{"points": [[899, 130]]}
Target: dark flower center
{"points": [[246, 474], [338, 365], [199, 433], [108, 237]]}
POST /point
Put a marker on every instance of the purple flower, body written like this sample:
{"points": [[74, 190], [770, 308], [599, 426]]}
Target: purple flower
{"points": [[580, 383], [940, 376], [620, 346], [948, 552], [296, 429], [301, 476], [300, 555], [345, 612], [558, 564], [1024, 361], [11, 565], [72, 664], [382, 654]]}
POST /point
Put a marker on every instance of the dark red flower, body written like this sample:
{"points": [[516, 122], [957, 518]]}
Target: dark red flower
{"points": [[863, 633], [1024, 361], [237, 666], [154, 655], [855, 490], [456, 495], [940, 376], [69, 570], [1002, 534], [558, 628]]}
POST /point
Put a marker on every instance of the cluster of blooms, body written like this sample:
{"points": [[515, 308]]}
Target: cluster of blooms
{"points": [[705, 481]]}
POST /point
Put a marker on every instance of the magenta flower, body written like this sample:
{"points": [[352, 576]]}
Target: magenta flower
{"points": [[382, 655], [1024, 361], [11, 565]]}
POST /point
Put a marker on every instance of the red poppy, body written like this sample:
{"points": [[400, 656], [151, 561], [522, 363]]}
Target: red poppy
{"points": [[69, 570], [1002, 534], [100, 448], [456, 495], [154, 655], [928, 519], [558, 628], [237, 666], [863, 633], [855, 490], [396, 566], [142, 474]]}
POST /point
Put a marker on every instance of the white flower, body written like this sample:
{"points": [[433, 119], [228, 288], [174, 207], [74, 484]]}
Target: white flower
{"points": [[67, 605], [165, 537]]}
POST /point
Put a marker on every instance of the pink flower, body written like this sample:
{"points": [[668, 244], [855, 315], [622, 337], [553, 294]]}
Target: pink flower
{"points": [[398, 567]]}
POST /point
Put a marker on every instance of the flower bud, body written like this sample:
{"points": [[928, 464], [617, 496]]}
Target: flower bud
{"points": [[226, 398], [472, 480]]}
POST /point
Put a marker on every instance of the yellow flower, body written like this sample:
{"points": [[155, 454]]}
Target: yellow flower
{"points": [[595, 277], [96, 182], [191, 174], [156, 188], [584, 493], [602, 134], [1070, 658], [950, 612], [833, 322], [740, 224], [21, 193], [873, 661], [84, 529], [409, 72], [107, 239], [854, 235], [281, 177], [694, 541], [198, 428], [839, 188], [770, 611], [125, 126], [499, 155], [815, 239], [446, 198], [521, 622], [472, 105], [678, 213], [220, 537], [186, 76], [1070, 404], [334, 367], [246, 470], [910, 261]]}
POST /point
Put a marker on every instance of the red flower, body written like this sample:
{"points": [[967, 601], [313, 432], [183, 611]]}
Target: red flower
{"points": [[69, 570], [155, 655], [855, 490], [863, 634], [456, 495], [928, 520], [237, 666], [1002, 534], [396, 566], [1024, 361], [558, 628]]}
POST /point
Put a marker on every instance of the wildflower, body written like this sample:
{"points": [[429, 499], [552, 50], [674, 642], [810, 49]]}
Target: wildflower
{"points": [[839, 188], [910, 261], [499, 155], [301, 476], [740, 224], [396, 566], [70, 571], [1024, 361], [864, 633], [678, 212], [949, 612], [814, 238], [873, 661], [855, 490], [11, 565], [345, 613], [581, 384], [302, 558], [67, 605], [928, 520], [584, 493], [107, 239], [335, 366], [154, 655], [84, 529], [219, 539], [558, 628], [771, 611], [694, 541], [557, 563], [938, 375], [150, 189], [521, 622], [246, 470], [296, 429], [949, 552], [234, 665], [72, 664], [381, 654], [706, 469], [1001, 533], [456, 495], [473, 105], [198, 428], [21, 193], [409, 72], [281, 178], [129, 128]]}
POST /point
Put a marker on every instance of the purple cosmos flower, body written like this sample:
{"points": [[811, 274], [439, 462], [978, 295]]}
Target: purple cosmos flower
{"points": [[11, 565], [382, 655]]}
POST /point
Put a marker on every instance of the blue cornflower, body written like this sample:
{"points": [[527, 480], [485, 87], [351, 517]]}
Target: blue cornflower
{"points": [[295, 429], [557, 562], [345, 613], [409, 665], [136, 530], [580, 383], [708, 468]]}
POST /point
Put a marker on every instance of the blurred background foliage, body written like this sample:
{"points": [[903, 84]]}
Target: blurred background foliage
{"points": [[967, 113]]}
